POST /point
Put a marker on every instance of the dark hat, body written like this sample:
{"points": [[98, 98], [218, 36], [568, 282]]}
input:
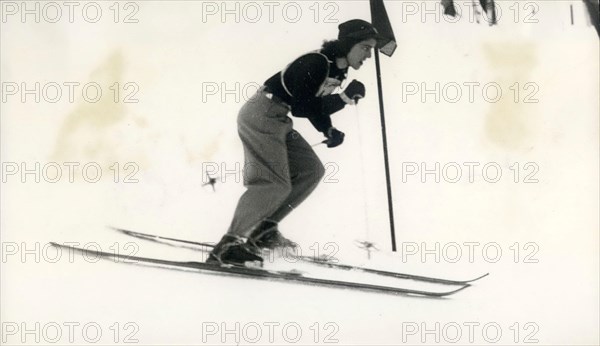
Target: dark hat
{"points": [[357, 29]]}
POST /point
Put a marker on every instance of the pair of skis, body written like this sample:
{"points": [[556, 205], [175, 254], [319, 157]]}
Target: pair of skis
{"points": [[273, 274]]}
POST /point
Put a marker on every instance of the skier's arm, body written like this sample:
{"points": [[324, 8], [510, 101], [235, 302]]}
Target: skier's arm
{"points": [[332, 103]]}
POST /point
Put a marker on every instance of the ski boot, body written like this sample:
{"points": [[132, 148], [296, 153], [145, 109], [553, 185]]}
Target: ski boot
{"points": [[233, 250], [267, 236]]}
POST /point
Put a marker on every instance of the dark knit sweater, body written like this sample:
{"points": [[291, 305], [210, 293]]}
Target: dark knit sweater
{"points": [[306, 86]]}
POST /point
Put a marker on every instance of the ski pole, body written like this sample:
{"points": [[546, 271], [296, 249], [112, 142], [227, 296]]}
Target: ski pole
{"points": [[317, 144]]}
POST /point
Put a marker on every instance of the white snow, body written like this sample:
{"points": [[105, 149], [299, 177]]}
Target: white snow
{"points": [[543, 285]]}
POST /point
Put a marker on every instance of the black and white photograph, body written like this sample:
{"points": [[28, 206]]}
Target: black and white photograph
{"points": [[303, 172]]}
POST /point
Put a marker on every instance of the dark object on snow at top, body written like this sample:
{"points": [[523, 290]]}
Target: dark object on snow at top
{"points": [[593, 8]]}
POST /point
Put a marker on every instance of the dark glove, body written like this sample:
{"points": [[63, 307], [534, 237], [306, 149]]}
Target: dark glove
{"points": [[355, 90], [335, 137]]}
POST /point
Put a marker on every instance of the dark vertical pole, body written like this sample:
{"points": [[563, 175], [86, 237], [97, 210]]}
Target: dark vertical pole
{"points": [[385, 151], [571, 6]]}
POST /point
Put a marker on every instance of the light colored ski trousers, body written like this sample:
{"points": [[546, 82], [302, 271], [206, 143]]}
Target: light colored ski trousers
{"points": [[281, 169]]}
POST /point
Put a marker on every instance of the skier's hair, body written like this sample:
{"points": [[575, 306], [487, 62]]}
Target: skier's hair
{"points": [[338, 48]]}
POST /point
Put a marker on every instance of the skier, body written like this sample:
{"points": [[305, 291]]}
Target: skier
{"points": [[281, 168]]}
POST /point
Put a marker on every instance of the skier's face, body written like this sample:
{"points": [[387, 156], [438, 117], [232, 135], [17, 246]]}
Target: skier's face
{"points": [[360, 52]]}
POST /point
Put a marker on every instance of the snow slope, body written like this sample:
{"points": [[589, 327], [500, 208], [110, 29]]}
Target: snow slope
{"points": [[535, 232]]}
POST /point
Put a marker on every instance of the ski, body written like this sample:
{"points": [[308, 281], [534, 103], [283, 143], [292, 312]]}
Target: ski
{"points": [[207, 246], [252, 272]]}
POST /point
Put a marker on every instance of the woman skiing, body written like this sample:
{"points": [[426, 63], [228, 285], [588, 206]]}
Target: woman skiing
{"points": [[281, 168]]}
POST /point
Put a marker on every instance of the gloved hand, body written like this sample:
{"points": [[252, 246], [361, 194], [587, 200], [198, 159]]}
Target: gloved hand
{"points": [[335, 137], [354, 91]]}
